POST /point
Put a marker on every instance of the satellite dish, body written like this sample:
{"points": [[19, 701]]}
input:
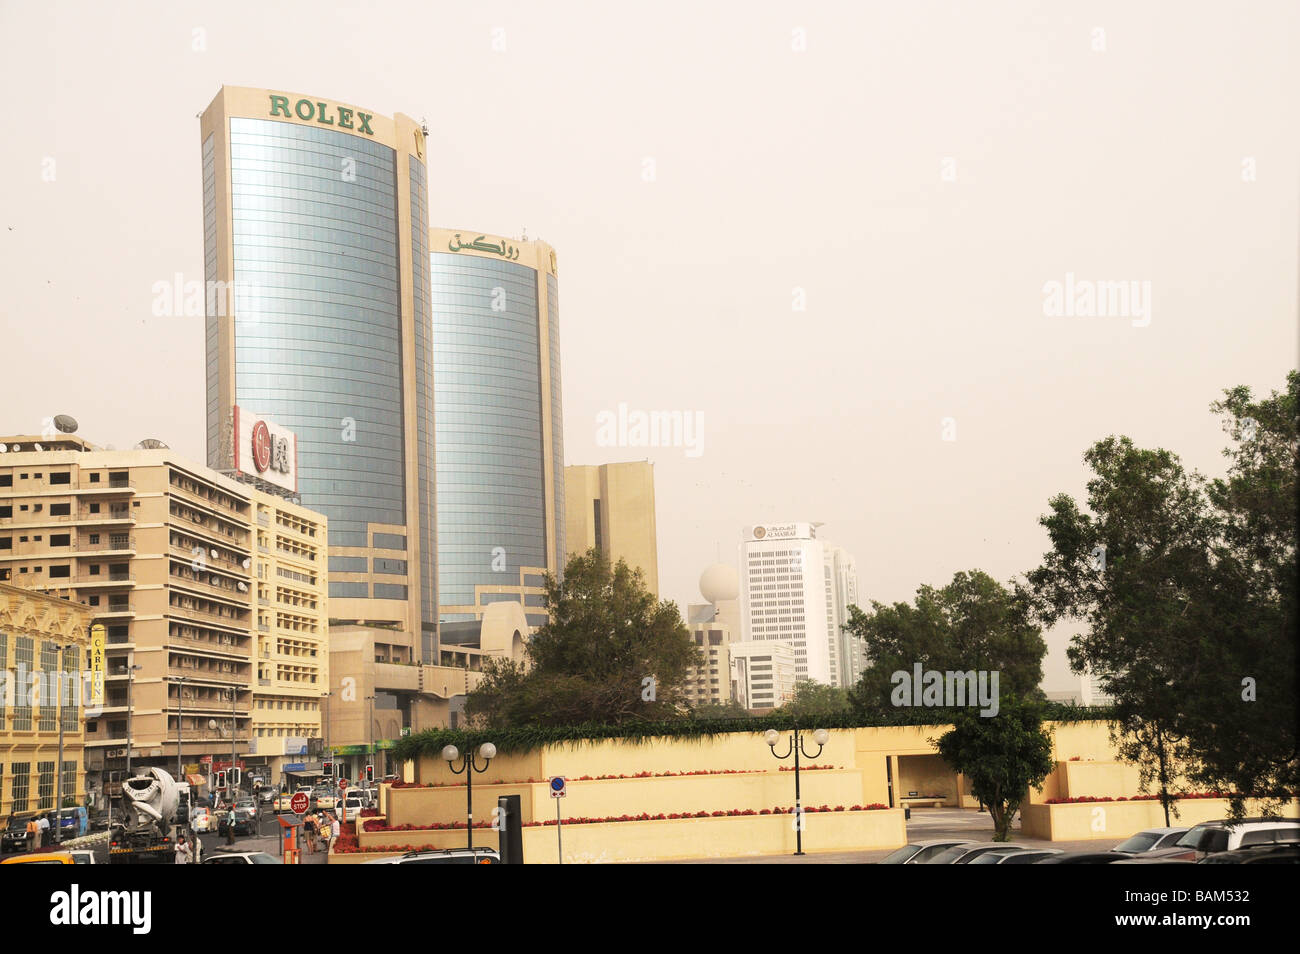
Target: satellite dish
{"points": [[151, 443], [246, 562], [242, 587], [4, 448], [38, 447], [214, 554], [15, 448], [66, 423]]}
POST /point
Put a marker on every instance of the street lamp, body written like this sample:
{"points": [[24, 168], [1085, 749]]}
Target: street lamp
{"points": [[58, 798], [468, 766], [820, 736], [370, 730], [130, 706], [180, 716], [230, 776]]}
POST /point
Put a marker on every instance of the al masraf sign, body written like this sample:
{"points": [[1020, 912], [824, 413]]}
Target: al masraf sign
{"points": [[265, 449], [783, 531]]}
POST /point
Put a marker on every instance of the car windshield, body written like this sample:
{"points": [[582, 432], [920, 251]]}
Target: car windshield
{"points": [[899, 855], [1139, 842], [993, 857], [949, 855], [262, 858], [1191, 837]]}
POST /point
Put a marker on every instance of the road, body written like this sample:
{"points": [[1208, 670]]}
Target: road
{"points": [[268, 841], [924, 825]]}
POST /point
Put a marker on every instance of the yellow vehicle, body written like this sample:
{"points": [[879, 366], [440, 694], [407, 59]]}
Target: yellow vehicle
{"points": [[41, 858]]}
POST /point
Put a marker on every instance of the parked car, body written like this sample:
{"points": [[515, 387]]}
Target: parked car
{"points": [[83, 856], [1276, 854], [75, 823], [1084, 858], [1027, 857], [995, 857], [966, 853], [41, 858], [14, 838], [1223, 834], [447, 856], [200, 820], [1150, 839], [919, 852], [352, 809], [325, 798], [220, 857]]}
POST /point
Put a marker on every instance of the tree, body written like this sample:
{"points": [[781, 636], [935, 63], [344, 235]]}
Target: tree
{"points": [[610, 653], [814, 700], [731, 709], [1002, 756], [1188, 589], [973, 623]]}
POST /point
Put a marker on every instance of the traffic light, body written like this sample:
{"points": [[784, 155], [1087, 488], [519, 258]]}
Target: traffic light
{"points": [[221, 778], [328, 769], [235, 776], [370, 774]]}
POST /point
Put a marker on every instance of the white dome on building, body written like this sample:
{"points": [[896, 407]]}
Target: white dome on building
{"points": [[720, 582]]}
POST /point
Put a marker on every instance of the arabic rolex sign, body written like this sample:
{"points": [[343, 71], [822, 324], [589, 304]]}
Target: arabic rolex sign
{"points": [[312, 111]]}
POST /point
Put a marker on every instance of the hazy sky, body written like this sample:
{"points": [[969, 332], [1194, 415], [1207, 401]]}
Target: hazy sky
{"points": [[919, 170]]}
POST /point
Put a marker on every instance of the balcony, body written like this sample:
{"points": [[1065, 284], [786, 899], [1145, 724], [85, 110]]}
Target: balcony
{"points": [[203, 586], [115, 609], [124, 542], [185, 612]]}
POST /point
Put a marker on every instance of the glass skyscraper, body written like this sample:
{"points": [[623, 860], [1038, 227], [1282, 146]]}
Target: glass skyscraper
{"points": [[315, 215], [499, 427]]}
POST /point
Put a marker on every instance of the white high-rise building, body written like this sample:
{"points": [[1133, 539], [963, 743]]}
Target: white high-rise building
{"points": [[783, 594], [847, 656]]}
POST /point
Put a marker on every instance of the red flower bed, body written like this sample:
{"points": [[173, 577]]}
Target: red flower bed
{"points": [[607, 778], [1087, 799], [376, 825]]}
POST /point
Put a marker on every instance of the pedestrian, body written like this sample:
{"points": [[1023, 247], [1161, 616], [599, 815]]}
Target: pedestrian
{"points": [[42, 830], [184, 853], [309, 832], [33, 834], [334, 831]]}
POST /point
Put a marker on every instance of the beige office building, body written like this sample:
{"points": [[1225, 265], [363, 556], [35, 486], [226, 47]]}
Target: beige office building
{"points": [[35, 630], [612, 507], [212, 593]]}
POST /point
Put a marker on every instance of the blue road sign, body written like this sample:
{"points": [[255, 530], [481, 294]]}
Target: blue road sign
{"points": [[559, 787]]}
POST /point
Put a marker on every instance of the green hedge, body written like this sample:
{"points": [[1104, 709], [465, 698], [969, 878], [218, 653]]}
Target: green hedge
{"points": [[522, 739]]}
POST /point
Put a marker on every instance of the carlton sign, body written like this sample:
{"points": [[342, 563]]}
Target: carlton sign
{"points": [[265, 449]]}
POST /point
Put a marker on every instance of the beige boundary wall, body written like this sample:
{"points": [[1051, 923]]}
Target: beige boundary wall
{"points": [[732, 837], [1115, 821]]}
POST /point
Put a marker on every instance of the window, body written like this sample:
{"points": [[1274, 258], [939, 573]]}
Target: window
{"points": [[45, 785], [391, 567], [63, 478], [6, 480], [389, 541], [341, 564], [60, 539], [60, 572], [6, 543], [7, 510], [61, 510], [94, 508], [21, 771], [94, 479], [348, 590]]}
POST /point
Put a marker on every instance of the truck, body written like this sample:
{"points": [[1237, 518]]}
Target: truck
{"points": [[143, 833]]}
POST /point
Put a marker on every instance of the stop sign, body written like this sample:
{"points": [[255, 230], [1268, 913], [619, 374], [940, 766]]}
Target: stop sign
{"points": [[343, 783], [299, 803]]}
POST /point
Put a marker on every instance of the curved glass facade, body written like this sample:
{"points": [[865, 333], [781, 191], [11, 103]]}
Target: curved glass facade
{"points": [[488, 410], [318, 315]]}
